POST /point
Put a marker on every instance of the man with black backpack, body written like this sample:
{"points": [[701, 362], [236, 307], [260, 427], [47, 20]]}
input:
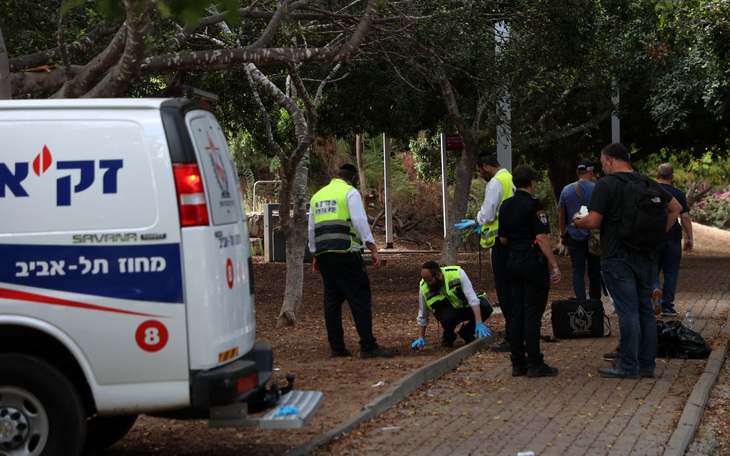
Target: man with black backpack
{"points": [[633, 213]]}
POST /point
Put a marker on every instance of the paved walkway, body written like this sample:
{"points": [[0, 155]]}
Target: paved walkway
{"points": [[467, 403]]}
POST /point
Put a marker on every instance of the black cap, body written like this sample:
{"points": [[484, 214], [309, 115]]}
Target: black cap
{"points": [[585, 165], [348, 167]]}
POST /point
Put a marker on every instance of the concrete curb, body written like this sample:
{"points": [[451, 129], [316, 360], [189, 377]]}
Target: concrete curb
{"points": [[690, 420], [397, 392], [678, 444]]}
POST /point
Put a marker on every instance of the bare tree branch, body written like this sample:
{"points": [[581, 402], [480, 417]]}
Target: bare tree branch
{"points": [[126, 56], [123, 73], [90, 73], [53, 55]]}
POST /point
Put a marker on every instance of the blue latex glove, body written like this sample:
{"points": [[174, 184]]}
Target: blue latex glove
{"points": [[465, 224], [419, 343], [482, 331], [479, 229], [287, 410]]}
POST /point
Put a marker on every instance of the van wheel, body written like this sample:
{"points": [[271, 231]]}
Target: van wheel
{"points": [[40, 411], [104, 431]]}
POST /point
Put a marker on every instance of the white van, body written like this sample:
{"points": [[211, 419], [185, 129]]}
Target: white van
{"points": [[126, 281]]}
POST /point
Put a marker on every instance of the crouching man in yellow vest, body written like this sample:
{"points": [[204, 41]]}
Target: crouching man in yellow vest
{"points": [[447, 291]]}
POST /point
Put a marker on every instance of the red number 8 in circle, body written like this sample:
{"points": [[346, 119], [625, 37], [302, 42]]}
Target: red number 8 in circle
{"points": [[152, 336]]}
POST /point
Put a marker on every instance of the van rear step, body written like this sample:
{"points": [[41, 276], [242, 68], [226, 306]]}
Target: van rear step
{"points": [[306, 402]]}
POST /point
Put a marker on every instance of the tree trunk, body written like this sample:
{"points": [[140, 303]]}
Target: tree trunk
{"points": [[464, 174], [561, 172], [459, 202], [361, 171], [296, 242], [5, 92]]}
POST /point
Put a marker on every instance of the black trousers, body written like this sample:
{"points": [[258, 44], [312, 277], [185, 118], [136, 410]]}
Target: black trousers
{"points": [[450, 318], [345, 278], [500, 259], [530, 283]]}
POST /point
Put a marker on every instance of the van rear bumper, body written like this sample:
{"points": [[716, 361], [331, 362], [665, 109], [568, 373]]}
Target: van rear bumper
{"points": [[216, 390], [219, 386], [292, 412]]}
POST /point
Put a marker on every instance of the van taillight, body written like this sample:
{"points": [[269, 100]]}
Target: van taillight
{"points": [[247, 383], [190, 195]]}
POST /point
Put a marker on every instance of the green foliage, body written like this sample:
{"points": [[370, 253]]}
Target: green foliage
{"points": [[374, 97], [688, 63], [476, 197], [249, 163], [426, 148], [190, 11], [401, 186], [694, 176], [30, 26]]}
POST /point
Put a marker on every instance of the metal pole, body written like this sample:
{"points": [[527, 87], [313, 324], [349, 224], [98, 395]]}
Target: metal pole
{"points": [[504, 112], [615, 121], [444, 195], [388, 191]]}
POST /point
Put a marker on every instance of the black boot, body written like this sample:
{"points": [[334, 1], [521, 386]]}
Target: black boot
{"points": [[541, 370]]}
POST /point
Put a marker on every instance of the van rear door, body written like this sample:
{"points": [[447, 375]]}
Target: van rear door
{"points": [[216, 256]]}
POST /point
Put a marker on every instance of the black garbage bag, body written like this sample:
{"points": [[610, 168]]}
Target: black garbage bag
{"points": [[677, 341]]}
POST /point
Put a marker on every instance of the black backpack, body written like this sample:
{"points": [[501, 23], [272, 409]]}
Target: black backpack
{"points": [[644, 214]]}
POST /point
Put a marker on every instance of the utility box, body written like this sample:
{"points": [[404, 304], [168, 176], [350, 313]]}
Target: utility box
{"points": [[274, 240]]}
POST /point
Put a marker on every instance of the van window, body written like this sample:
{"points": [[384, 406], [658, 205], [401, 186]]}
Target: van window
{"points": [[219, 172]]}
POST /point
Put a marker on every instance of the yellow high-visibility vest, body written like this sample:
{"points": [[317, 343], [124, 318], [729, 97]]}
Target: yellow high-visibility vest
{"points": [[333, 231], [452, 285], [489, 230]]}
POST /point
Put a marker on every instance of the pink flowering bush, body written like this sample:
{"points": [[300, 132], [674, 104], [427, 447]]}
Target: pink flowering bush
{"points": [[714, 210]]}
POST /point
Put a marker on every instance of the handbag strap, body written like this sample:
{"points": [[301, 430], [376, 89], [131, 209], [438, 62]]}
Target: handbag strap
{"points": [[607, 324], [578, 192]]}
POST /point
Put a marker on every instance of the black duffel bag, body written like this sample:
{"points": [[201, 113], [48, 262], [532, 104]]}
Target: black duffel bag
{"points": [[572, 318]]}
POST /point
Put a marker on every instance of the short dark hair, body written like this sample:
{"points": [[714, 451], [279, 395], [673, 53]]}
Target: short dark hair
{"points": [[347, 172], [665, 171], [432, 267], [487, 157], [617, 151], [523, 175]]}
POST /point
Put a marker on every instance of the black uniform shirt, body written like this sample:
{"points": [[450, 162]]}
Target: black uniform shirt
{"points": [[521, 219]]}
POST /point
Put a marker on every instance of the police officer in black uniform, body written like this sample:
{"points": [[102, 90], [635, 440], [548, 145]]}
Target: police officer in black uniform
{"points": [[532, 267]]}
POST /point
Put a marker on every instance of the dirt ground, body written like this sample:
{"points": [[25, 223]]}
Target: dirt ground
{"points": [[348, 383]]}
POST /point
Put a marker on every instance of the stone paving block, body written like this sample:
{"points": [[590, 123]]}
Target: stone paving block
{"points": [[479, 408]]}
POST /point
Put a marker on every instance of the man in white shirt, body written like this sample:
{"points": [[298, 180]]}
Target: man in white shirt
{"points": [[499, 188]]}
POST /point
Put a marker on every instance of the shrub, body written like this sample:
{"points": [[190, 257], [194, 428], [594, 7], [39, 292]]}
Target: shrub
{"points": [[713, 210]]}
